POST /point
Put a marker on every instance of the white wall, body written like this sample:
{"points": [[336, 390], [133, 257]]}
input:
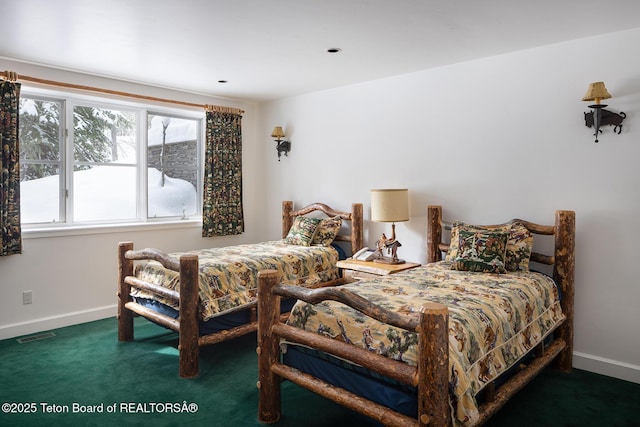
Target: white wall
{"points": [[491, 140], [73, 278]]}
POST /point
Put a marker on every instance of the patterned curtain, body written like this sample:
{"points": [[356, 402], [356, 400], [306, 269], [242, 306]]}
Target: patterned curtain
{"points": [[10, 169], [222, 213]]}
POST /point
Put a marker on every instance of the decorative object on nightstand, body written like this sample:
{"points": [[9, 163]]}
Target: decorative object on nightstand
{"points": [[389, 205], [281, 145], [599, 116]]}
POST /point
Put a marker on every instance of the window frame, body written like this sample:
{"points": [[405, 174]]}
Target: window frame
{"points": [[68, 226]]}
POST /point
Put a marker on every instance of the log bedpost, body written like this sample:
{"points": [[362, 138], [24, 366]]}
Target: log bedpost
{"points": [[189, 312], [125, 317], [287, 219], [357, 237], [563, 274], [433, 366], [434, 233], [268, 348]]}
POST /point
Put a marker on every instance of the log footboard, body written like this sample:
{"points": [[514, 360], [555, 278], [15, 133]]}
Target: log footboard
{"points": [[431, 376], [187, 323]]}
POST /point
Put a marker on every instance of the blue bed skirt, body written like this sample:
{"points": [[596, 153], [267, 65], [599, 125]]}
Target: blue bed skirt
{"points": [[356, 379], [215, 324]]}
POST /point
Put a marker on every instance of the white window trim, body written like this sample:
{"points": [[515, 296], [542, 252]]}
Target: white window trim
{"points": [[82, 230]]}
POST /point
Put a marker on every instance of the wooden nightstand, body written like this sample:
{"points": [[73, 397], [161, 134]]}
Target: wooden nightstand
{"points": [[355, 270]]}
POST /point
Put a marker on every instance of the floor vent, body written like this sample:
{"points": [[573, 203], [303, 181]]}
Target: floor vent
{"points": [[37, 337]]}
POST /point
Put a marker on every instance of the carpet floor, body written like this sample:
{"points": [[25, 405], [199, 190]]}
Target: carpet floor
{"points": [[81, 375]]}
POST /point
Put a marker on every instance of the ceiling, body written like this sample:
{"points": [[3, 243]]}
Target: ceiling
{"points": [[269, 49]]}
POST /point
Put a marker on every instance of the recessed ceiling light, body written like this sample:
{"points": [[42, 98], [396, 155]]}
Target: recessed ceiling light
{"points": [[334, 50]]}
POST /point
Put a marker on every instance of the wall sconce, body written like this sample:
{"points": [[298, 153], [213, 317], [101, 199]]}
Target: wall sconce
{"points": [[281, 145], [599, 116], [389, 205]]}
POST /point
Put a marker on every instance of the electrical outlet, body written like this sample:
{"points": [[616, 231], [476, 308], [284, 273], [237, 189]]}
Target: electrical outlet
{"points": [[27, 297]]}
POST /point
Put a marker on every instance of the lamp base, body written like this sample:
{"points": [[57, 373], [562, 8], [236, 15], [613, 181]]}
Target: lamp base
{"points": [[389, 260]]}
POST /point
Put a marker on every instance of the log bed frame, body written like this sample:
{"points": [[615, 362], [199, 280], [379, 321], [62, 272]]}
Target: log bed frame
{"points": [[431, 376], [188, 296]]}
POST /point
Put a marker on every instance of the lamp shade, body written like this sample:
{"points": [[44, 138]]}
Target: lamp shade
{"points": [[596, 92], [277, 132], [390, 205]]}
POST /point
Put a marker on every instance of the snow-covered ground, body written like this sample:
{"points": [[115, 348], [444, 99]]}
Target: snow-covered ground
{"points": [[109, 192], [106, 193]]}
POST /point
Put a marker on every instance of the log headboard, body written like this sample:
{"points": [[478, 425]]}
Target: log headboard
{"points": [[355, 237]]}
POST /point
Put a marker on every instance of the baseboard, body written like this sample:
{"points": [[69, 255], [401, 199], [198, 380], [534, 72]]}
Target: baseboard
{"points": [[608, 367], [54, 322]]}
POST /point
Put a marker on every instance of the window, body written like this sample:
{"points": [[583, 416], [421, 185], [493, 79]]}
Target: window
{"points": [[172, 167], [104, 164], [41, 158], [91, 161]]}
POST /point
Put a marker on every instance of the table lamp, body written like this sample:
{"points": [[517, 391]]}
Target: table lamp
{"points": [[389, 205]]}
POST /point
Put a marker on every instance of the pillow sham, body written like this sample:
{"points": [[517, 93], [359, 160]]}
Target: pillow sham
{"points": [[519, 248], [302, 231], [519, 244], [481, 251], [327, 231]]}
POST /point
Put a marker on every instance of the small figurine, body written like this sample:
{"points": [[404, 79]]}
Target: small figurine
{"points": [[391, 245]]}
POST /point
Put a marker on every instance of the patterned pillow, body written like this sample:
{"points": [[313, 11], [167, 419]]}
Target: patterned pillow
{"points": [[519, 244], [481, 251], [302, 231], [452, 253], [519, 248], [327, 231]]}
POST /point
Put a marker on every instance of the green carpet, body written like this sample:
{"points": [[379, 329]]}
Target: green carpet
{"points": [[84, 367]]}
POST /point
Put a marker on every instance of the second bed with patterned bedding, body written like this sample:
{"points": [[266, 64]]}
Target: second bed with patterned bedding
{"points": [[448, 343]]}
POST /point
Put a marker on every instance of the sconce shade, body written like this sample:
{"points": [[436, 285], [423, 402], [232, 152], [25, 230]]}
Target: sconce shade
{"points": [[277, 132], [596, 92], [390, 205]]}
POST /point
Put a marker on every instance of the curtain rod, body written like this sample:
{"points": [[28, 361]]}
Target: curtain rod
{"points": [[13, 76]]}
